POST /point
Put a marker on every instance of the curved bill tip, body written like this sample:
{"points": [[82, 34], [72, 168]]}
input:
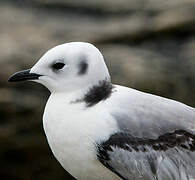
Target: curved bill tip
{"points": [[23, 76]]}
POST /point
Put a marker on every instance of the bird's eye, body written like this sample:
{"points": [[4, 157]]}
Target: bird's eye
{"points": [[58, 65]]}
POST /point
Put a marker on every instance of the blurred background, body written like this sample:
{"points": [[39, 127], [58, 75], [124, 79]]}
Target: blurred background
{"points": [[147, 44]]}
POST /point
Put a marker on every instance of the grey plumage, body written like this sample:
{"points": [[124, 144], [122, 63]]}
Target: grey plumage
{"points": [[155, 139]]}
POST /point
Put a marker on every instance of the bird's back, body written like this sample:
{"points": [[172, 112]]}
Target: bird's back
{"points": [[151, 115], [155, 139]]}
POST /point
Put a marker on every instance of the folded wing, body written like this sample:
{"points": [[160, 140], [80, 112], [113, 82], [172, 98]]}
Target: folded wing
{"points": [[155, 139]]}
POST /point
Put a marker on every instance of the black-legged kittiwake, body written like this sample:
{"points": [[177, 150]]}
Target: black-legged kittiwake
{"points": [[101, 131]]}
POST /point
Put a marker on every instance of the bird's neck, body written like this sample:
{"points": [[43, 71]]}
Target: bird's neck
{"points": [[89, 95], [98, 92]]}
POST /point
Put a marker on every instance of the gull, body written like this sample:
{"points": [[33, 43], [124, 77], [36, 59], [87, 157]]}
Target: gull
{"points": [[102, 131]]}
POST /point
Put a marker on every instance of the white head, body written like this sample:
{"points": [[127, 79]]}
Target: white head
{"points": [[68, 67]]}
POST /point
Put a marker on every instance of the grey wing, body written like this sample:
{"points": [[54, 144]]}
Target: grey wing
{"points": [[155, 139], [170, 157], [147, 115]]}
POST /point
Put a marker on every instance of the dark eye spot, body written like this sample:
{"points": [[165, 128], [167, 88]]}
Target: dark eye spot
{"points": [[83, 66], [58, 65]]}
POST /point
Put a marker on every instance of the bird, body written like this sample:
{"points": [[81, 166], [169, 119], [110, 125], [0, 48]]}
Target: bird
{"points": [[98, 130]]}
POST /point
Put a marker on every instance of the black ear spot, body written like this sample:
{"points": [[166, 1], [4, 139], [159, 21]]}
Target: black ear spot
{"points": [[83, 66], [58, 65]]}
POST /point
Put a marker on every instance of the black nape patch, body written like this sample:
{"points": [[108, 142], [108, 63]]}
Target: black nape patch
{"points": [[83, 66], [98, 92]]}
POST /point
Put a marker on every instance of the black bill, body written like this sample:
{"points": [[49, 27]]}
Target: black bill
{"points": [[23, 76]]}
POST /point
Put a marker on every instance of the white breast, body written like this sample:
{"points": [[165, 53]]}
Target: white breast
{"points": [[72, 131]]}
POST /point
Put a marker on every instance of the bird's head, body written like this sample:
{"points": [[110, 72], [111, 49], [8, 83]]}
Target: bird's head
{"points": [[66, 68]]}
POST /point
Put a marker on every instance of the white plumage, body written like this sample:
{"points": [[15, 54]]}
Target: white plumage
{"points": [[97, 130]]}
